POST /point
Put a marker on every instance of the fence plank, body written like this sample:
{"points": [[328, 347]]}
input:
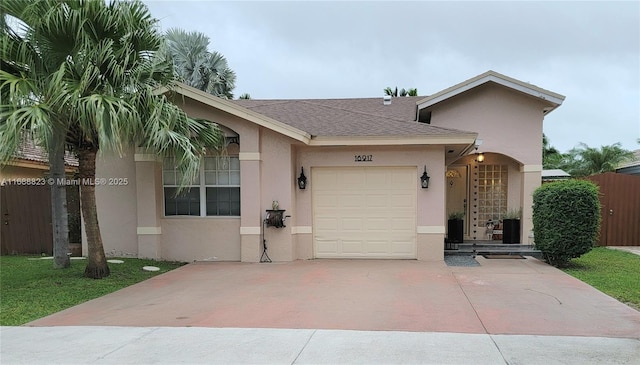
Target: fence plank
{"points": [[620, 200], [26, 220]]}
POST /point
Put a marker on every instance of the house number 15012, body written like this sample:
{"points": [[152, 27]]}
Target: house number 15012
{"points": [[363, 158]]}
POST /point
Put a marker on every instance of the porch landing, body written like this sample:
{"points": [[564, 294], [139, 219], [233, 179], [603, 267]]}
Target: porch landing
{"points": [[476, 248]]}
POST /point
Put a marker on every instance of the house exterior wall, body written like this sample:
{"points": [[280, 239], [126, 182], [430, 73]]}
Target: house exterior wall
{"points": [[116, 204], [277, 185], [265, 159], [501, 117], [270, 164]]}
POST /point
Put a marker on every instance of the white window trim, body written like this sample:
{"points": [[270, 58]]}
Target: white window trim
{"points": [[203, 195]]}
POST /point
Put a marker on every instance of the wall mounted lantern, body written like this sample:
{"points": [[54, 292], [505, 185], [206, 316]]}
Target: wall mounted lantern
{"points": [[481, 157], [302, 180], [424, 179]]}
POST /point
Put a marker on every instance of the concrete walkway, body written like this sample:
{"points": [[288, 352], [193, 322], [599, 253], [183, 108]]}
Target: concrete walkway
{"points": [[176, 345], [632, 249]]}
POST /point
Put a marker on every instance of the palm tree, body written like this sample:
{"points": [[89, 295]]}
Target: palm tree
{"points": [[197, 66], [244, 96], [551, 157], [590, 161], [101, 94], [394, 92], [22, 59]]}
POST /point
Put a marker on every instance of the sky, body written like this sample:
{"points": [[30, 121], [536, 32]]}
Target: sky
{"points": [[586, 51]]}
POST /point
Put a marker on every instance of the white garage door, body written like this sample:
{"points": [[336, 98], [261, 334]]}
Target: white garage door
{"points": [[366, 212]]}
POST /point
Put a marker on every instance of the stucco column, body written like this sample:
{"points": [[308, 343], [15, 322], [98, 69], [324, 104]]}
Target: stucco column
{"points": [[250, 183], [148, 229], [531, 180], [430, 229]]}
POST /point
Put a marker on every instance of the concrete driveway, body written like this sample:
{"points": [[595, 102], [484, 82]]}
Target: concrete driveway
{"points": [[511, 297]]}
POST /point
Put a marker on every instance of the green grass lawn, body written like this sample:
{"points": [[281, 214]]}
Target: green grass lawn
{"points": [[613, 272], [30, 288]]}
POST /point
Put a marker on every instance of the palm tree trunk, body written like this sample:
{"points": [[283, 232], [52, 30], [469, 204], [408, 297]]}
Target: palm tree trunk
{"points": [[97, 267], [59, 218]]}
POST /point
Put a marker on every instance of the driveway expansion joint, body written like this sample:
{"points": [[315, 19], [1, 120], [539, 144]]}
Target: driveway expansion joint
{"points": [[304, 346]]}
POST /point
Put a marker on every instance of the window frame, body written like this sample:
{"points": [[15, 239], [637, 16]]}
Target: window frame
{"points": [[200, 183]]}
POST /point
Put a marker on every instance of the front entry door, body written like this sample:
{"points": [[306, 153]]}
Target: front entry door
{"points": [[457, 187]]}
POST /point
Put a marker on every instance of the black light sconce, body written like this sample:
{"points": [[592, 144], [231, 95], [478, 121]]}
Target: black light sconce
{"points": [[302, 180], [481, 157], [424, 179]]}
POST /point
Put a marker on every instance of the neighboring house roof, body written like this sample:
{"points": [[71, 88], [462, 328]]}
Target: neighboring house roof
{"points": [[631, 167], [553, 99], [554, 174], [29, 151]]}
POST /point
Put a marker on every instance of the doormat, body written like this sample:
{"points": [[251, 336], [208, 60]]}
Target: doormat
{"points": [[461, 261], [503, 256]]}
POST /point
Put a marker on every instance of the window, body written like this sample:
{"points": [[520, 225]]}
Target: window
{"points": [[214, 192], [492, 192]]}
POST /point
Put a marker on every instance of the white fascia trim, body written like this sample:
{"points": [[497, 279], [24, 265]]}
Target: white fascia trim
{"points": [[430, 230], [531, 168], [465, 139], [491, 76], [149, 230], [250, 230], [145, 157], [249, 156], [301, 230], [238, 111]]}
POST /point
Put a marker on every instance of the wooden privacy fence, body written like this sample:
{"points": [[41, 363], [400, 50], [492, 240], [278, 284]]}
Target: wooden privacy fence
{"points": [[620, 200], [26, 219]]}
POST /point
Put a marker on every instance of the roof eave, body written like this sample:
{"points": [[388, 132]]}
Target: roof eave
{"points": [[462, 139], [550, 97], [238, 111]]}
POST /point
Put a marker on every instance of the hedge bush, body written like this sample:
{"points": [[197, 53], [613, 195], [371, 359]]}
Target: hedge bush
{"points": [[566, 220]]}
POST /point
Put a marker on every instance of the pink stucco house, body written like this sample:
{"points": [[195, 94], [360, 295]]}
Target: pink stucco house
{"points": [[363, 160]]}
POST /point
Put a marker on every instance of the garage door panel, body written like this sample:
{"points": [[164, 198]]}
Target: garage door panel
{"points": [[330, 178], [351, 180], [361, 213], [352, 247], [351, 201], [352, 224], [377, 200], [326, 246], [327, 224], [377, 179], [377, 224], [326, 201], [380, 247], [403, 248]]}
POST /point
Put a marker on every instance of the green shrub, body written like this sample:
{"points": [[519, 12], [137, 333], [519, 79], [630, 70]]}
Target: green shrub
{"points": [[566, 220], [456, 215]]}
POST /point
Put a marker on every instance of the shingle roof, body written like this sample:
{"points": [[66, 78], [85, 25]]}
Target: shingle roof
{"points": [[29, 151], [348, 117], [635, 161]]}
